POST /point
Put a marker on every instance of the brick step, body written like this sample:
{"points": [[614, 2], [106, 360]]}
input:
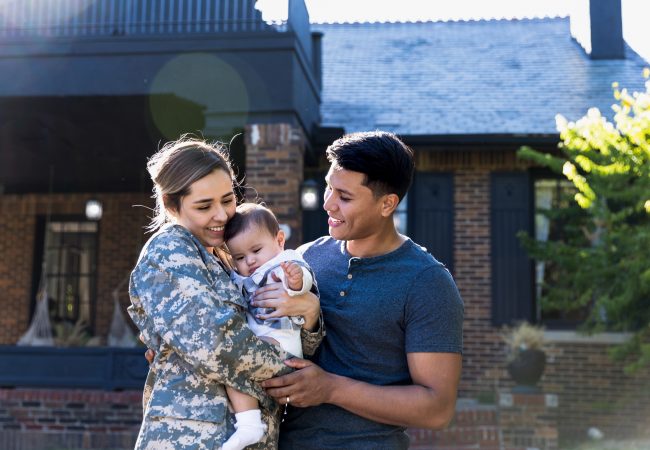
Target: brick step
{"points": [[474, 426]]}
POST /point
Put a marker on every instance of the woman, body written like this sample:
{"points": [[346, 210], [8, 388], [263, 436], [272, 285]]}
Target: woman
{"points": [[189, 311]]}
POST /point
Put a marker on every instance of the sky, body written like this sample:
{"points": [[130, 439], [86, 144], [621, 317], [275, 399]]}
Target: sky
{"points": [[635, 12]]}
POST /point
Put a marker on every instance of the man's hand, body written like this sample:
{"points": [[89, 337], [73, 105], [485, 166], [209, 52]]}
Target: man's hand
{"points": [[309, 385], [273, 295], [149, 355], [292, 274]]}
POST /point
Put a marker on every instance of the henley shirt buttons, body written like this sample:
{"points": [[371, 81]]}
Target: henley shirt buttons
{"points": [[349, 276], [342, 293]]}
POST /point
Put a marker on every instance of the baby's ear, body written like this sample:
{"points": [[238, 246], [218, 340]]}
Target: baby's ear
{"points": [[281, 238]]}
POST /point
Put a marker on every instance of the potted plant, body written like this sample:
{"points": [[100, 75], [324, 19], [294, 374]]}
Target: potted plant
{"points": [[526, 355]]}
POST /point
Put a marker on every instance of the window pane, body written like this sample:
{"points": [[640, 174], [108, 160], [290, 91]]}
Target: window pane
{"points": [[550, 195], [70, 254]]}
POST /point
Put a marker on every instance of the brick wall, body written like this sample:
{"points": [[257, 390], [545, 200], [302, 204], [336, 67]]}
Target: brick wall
{"points": [[121, 236], [596, 392], [17, 228], [33, 419], [274, 168]]}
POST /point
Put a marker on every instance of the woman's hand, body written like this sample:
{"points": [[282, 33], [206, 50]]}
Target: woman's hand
{"points": [[274, 296], [149, 355]]}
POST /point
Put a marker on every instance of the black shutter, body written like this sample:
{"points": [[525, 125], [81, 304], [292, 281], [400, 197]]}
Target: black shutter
{"points": [[431, 206], [512, 287]]}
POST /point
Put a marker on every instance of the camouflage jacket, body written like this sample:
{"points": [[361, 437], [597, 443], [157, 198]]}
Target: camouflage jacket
{"points": [[193, 316]]}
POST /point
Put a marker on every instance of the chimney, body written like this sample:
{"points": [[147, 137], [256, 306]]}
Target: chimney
{"points": [[317, 56], [597, 25]]}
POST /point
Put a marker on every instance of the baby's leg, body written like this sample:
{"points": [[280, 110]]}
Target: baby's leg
{"points": [[241, 402], [249, 425]]}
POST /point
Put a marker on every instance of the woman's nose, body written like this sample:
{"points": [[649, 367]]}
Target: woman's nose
{"points": [[220, 215]]}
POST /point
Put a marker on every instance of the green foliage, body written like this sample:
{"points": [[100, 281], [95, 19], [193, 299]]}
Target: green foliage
{"points": [[603, 256]]}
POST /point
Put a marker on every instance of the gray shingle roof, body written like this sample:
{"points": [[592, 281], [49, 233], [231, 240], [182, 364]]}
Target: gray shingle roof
{"points": [[474, 77]]}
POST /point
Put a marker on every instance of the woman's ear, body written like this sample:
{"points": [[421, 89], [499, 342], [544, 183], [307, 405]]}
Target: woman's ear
{"points": [[170, 206], [389, 204]]}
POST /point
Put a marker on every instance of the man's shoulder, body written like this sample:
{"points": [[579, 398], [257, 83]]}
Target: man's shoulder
{"points": [[323, 242], [417, 254]]}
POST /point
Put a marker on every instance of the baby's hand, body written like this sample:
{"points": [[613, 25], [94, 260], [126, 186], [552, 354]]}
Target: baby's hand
{"points": [[292, 274]]}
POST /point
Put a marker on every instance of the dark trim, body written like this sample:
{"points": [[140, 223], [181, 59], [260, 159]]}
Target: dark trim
{"points": [[107, 368], [37, 268], [435, 139]]}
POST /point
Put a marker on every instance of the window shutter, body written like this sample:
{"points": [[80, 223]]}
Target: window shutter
{"points": [[512, 287], [431, 202]]}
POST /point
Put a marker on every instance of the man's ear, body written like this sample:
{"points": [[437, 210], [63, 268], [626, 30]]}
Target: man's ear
{"points": [[281, 238], [389, 204]]}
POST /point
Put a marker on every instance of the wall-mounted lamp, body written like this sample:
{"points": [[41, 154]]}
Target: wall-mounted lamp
{"points": [[94, 210], [309, 195]]}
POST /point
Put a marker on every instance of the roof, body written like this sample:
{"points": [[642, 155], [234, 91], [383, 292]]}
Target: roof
{"points": [[471, 77]]}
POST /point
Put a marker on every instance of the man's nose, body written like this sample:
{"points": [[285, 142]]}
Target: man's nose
{"points": [[328, 204]]}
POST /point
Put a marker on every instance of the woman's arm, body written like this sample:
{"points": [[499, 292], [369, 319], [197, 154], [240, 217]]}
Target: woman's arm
{"points": [[200, 321]]}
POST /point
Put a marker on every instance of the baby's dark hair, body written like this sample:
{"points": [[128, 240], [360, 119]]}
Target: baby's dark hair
{"points": [[248, 214]]}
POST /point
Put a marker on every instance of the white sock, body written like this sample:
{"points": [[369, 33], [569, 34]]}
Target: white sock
{"points": [[250, 430]]}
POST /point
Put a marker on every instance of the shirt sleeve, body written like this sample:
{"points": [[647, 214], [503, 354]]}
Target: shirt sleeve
{"points": [[434, 313], [307, 282], [199, 320]]}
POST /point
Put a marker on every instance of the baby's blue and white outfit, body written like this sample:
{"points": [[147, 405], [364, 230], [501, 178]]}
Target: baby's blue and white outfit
{"points": [[285, 330]]}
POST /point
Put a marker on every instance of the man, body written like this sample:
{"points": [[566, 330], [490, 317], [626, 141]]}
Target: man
{"points": [[391, 358]]}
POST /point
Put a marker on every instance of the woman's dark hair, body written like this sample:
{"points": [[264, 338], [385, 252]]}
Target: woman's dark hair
{"points": [[176, 166], [248, 214], [385, 160]]}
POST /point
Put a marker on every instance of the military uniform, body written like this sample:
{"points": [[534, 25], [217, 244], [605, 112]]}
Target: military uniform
{"points": [[193, 316]]}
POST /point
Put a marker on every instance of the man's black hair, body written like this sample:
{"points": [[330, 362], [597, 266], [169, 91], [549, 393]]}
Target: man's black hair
{"points": [[382, 157]]}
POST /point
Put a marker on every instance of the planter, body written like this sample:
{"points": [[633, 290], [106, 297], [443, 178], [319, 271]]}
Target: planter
{"points": [[527, 369]]}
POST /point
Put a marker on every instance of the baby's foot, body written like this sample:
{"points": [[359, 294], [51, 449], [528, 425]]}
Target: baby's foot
{"points": [[250, 430]]}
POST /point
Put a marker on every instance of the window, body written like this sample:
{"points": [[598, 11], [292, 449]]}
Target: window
{"points": [[70, 253], [552, 195]]}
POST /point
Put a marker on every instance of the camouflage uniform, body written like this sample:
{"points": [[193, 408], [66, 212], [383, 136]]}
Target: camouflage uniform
{"points": [[193, 316]]}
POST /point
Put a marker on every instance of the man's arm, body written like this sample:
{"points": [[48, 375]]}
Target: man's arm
{"points": [[428, 403]]}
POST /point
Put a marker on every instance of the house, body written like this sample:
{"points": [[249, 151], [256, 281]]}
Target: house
{"points": [[86, 95], [466, 96]]}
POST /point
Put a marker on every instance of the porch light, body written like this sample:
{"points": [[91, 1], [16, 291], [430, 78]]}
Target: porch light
{"points": [[94, 209], [309, 195]]}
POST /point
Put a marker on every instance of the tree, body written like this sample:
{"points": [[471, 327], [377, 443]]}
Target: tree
{"points": [[603, 255]]}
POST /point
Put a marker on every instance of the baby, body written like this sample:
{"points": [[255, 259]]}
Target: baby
{"points": [[256, 243]]}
